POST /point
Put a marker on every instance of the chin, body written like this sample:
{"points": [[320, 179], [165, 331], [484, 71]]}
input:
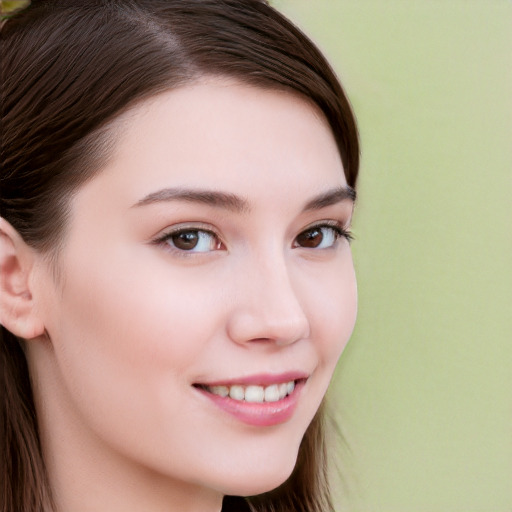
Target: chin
{"points": [[251, 481]]}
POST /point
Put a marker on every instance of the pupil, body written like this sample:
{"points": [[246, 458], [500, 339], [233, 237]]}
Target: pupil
{"points": [[186, 240], [310, 238]]}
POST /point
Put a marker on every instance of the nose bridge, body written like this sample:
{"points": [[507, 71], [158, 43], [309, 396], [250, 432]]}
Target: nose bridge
{"points": [[268, 306]]}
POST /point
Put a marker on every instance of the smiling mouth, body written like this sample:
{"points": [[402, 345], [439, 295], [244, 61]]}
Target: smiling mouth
{"points": [[252, 393], [260, 401]]}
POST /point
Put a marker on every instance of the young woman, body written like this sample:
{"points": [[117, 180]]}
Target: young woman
{"points": [[176, 281]]}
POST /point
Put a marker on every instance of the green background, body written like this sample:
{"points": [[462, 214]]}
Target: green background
{"points": [[423, 392]]}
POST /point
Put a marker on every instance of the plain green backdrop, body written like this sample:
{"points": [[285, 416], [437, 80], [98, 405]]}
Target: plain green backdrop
{"points": [[423, 392]]}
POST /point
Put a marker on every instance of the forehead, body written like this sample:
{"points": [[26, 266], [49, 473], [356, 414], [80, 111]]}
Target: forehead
{"points": [[221, 134]]}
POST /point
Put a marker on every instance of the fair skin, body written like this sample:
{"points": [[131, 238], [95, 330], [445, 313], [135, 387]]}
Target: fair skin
{"points": [[125, 346]]}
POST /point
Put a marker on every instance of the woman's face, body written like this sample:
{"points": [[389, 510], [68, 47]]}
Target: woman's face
{"points": [[207, 258]]}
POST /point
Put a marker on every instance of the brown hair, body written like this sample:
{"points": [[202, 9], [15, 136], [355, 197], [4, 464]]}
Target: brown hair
{"points": [[68, 69]]}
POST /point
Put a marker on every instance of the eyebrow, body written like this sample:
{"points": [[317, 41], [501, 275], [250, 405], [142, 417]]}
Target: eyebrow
{"points": [[238, 204], [334, 196], [214, 198]]}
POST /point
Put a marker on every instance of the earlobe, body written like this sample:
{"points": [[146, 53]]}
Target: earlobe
{"points": [[17, 311]]}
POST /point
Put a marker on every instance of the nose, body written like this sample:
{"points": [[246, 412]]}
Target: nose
{"points": [[267, 306]]}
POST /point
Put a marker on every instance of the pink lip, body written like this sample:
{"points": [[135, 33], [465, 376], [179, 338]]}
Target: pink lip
{"points": [[259, 414], [262, 379]]}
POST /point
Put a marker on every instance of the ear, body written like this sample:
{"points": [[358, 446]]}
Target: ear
{"points": [[17, 311]]}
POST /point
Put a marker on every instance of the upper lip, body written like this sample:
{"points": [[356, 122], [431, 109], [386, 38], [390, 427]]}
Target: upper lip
{"points": [[260, 379]]}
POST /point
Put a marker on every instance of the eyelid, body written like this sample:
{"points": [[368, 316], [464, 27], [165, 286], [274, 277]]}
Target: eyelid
{"points": [[328, 222], [342, 227], [168, 232], [342, 230]]}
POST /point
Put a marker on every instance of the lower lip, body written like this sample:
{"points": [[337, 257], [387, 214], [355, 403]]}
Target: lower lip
{"points": [[259, 414]]}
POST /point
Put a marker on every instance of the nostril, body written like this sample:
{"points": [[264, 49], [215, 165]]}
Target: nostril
{"points": [[268, 311], [270, 333]]}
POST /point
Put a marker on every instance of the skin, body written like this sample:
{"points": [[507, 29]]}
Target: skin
{"points": [[119, 340]]}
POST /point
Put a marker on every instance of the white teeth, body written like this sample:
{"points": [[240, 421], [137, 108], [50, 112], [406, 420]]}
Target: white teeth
{"points": [[254, 394], [272, 393], [220, 390], [283, 390], [257, 394], [237, 392]]}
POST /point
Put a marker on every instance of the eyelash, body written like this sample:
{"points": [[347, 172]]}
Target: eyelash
{"points": [[166, 239], [338, 230], [336, 227]]}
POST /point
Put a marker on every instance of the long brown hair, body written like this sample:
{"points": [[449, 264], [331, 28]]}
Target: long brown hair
{"points": [[68, 69]]}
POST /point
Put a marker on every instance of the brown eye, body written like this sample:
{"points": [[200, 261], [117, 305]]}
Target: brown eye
{"points": [[311, 238], [186, 240], [192, 240], [319, 237]]}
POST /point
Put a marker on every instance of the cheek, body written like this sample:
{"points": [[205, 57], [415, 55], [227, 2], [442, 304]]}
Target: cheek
{"points": [[138, 317], [126, 341], [333, 311]]}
